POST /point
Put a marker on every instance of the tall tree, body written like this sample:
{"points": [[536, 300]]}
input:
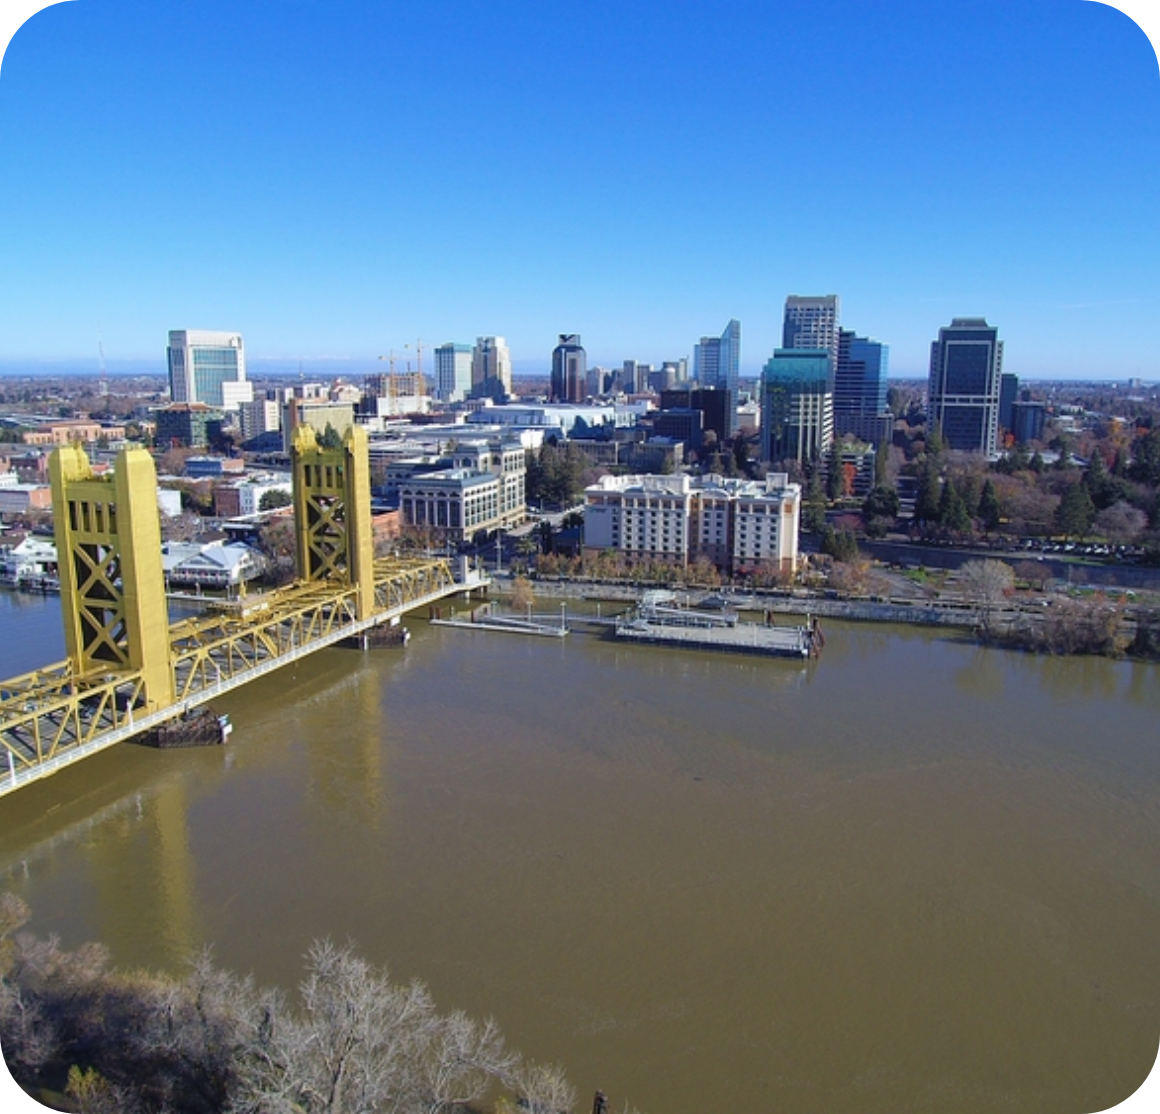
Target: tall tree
{"points": [[989, 514], [935, 445], [1146, 458], [814, 507], [834, 470], [330, 438], [952, 511], [1076, 512], [741, 454], [926, 504]]}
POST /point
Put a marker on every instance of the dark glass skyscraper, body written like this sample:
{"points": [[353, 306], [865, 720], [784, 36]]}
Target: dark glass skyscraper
{"points": [[860, 388], [569, 370], [966, 363], [860, 382]]}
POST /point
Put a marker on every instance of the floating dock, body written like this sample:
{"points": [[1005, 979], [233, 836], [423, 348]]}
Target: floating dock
{"points": [[544, 627], [744, 638], [663, 625]]}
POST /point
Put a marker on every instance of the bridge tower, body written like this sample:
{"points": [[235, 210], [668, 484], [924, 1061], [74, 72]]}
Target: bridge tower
{"points": [[332, 511], [108, 541]]}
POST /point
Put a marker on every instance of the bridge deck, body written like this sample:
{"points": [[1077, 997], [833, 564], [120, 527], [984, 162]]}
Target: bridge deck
{"points": [[51, 717]]}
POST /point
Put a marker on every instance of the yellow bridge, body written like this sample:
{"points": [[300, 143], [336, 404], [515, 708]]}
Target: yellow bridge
{"points": [[128, 669]]}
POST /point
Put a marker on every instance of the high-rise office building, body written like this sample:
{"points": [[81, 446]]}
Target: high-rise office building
{"points": [[797, 405], [1008, 393], [453, 372], [860, 388], [569, 370], [812, 322], [491, 369], [966, 365], [208, 367], [1027, 421], [717, 360], [717, 404], [634, 377]]}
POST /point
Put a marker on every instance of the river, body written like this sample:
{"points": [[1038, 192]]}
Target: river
{"points": [[915, 875]]}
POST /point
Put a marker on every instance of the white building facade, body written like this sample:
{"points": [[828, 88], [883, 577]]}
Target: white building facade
{"points": [[209, 367], [736, 524], [480, 487], [453, 364]]}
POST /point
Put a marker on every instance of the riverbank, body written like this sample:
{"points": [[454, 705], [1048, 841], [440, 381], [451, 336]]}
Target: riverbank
{"points": [[547, 830], [1038, 622]]}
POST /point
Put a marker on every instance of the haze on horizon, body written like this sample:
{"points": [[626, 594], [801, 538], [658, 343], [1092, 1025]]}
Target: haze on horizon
{"points": [[335, 186]]}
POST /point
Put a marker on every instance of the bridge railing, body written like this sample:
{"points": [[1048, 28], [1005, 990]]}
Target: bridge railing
{"points": [[50, 716], [38, 725]]}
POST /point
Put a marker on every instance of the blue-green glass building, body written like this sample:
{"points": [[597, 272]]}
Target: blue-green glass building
{"points": [[797, 414]]}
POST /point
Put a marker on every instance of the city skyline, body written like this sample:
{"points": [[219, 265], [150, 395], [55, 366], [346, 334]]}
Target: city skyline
{"points": [[332, 207]]}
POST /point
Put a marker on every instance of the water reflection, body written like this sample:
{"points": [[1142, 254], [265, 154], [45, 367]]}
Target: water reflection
{"points": [[347, 778], [1144, 685], [983, 675], [1077, 678], [700, 882]]}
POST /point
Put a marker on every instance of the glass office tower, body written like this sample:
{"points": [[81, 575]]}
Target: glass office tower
{"points": [[208, 367], [797, 415], [966, 366]]}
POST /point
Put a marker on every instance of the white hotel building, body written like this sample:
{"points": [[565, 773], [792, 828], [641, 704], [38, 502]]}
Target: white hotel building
{"points": [[736, 524]]}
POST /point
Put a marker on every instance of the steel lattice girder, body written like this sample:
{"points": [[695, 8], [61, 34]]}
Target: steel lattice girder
{"points": [[50, 710], [51, 720]]}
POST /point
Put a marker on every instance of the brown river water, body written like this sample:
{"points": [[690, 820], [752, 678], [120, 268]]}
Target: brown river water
{"points": [[915, 875]]}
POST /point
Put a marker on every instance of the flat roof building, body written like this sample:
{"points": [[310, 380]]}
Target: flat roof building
{"points": [[208, 367], [797, 414], [736, 524], [966, 367]]}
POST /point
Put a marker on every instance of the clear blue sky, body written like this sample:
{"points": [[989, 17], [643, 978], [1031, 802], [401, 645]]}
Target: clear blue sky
{"points": [[339, 179]]}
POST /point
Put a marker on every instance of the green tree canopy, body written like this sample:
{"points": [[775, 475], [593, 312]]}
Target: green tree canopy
{"points": [[330, 438], [926, 504], [882, 502], [952, 511], [274, 498], [834, 470], [814, 505], [1076, 512], [989, 514]]}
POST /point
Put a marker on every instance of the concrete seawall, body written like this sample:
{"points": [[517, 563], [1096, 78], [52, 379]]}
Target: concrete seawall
{"points": [[921, 613]]}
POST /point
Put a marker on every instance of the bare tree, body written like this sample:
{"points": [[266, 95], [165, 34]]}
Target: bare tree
{"points": [[523, 598], [462, 1060], [1036, 573], [544, 1089], [182, 527], [986, 584], [354, 1048], [89, 1092], [1121, 523], [142, 1043]]}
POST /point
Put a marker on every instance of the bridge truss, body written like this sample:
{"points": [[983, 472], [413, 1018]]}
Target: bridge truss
{"points": [[52, 717], [129, 670]]}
